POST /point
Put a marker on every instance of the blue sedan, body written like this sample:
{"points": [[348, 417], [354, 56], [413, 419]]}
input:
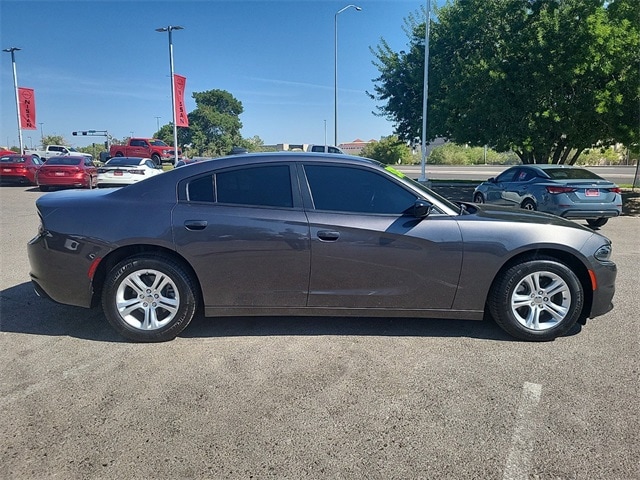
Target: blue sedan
{"points": [[566, 191]]}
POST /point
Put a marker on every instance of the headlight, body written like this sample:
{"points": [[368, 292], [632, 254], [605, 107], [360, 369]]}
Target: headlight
{"points": [[603, 253]]}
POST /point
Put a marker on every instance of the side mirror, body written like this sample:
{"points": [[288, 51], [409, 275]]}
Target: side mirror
{"points": [[422, 208]]}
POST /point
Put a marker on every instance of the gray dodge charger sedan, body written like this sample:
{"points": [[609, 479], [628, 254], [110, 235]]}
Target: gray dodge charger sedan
{"points": [[312, 234]]}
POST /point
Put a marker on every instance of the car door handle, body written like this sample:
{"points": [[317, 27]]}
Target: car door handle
{"points": [[328, 235], [195, 224]]}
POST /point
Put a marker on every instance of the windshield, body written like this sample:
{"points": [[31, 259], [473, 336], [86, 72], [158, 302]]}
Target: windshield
{"points": [[64, 161], [571, 174], [158, 143]]}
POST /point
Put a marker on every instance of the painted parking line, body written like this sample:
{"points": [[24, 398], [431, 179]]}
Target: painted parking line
{"points": [[518, 464]]}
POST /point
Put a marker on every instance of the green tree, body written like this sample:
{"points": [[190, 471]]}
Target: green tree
{"points": [[214, 125], [389, 150], [546, 79], [53, 140]]}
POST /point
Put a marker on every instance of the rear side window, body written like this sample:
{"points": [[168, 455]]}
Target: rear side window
{"points": [[268, 186], [264, 186], [346, 189]]}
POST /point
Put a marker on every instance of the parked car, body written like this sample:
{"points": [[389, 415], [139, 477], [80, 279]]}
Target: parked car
{"points": [[67, 171], [5, 151], [120, 171], [312, 234], [324, 149], [187, 161], [152, 148], [57, 151], [566, 191], [20, 169]]}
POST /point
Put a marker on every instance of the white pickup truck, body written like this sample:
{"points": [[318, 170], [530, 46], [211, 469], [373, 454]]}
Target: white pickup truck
{"points": [[56, 151]]}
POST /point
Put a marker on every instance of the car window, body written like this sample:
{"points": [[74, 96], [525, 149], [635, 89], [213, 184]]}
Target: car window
{"points": [[506, 176], [524, 175], [64, 161], [201, 190], [262, 185], [348, 189], [12, 160], [571, 174]]}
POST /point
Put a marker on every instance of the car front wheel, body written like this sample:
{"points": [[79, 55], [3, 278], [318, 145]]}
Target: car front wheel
{"points": [[478, 198], [149, 298], [538, 299]]}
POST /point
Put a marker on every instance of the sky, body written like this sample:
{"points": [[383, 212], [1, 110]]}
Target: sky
{"points": [[100, 65]]}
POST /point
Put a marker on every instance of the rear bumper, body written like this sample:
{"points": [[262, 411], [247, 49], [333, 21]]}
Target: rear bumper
{"points": [[63, 182], [590, 214]]}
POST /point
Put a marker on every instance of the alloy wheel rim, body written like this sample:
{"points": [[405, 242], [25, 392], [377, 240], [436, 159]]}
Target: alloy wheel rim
{"points": [[541, 300], [147, 299]]}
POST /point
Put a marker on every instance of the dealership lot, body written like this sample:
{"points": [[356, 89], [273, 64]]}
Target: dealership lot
{"points": [[316, 398]]}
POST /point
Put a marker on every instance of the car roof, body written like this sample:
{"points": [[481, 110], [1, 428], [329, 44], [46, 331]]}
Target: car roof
{"points": [[172, 177]]}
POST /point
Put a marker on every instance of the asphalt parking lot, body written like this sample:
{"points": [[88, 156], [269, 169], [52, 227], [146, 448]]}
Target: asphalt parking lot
{"points": [[312, 398]]}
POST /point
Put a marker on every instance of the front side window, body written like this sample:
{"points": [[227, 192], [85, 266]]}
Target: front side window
{"points": [[347, 189]]}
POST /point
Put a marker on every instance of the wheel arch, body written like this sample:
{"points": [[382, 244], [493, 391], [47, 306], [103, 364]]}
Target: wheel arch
{"points": [[571, 261], [116, 256]]}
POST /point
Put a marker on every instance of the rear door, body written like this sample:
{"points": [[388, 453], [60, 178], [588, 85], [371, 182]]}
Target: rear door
{"points": [[245, 233], [368, 252]]}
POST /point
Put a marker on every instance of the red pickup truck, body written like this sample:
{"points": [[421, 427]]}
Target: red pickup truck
{"points": [[152, 148]]}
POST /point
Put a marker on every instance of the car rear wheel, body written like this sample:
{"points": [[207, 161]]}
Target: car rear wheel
{"points": [[538, 299], [528, 205], [596, 222], [149, 298], [478, 198]]}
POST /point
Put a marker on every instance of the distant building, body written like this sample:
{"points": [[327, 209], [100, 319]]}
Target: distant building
{"points": [[355, 147]]}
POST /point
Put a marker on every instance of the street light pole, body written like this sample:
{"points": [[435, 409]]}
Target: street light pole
{"points": [[335, 70], [158, 124], [12, 50], [41, 134], [173, 96], [423, 169]]}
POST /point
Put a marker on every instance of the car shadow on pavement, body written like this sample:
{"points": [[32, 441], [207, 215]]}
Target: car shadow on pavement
{"points": [[22, 311]]}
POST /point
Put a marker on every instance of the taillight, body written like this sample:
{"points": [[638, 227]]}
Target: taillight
{"points": [[556, 190], [136, 172], [615, 190]]}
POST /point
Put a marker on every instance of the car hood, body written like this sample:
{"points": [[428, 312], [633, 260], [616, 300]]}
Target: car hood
{"points": [[491, 212]]}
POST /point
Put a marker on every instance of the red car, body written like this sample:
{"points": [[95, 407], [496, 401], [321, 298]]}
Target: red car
{"points": [[67, 171], [20, 169]]}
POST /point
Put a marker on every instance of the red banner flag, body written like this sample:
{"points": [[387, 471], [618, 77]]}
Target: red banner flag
{"points": [[27, 101], [179, 83]]}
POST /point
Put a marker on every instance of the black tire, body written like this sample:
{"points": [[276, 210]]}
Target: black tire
{"points": [[596, 222], [142, 310], [478, 198], [43, 188], [529, 204], [522, 299], [157, 160]]}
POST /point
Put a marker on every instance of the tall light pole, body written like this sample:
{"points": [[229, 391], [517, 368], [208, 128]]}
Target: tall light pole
{"points": [[12, 50], [173, 96], [423, 169], [158, 124], [41, 134], [335, 70]]}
